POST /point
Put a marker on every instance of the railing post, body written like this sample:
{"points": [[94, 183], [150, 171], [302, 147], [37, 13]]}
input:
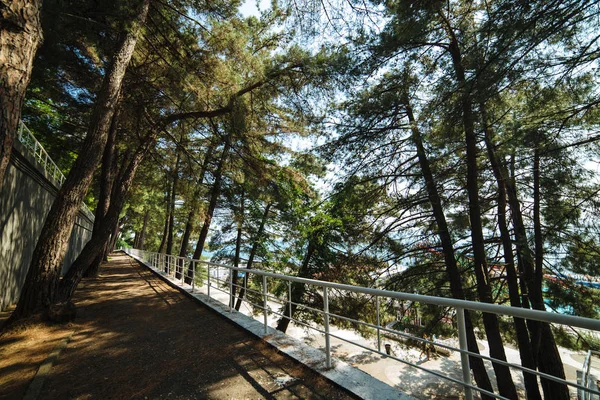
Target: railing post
{"points": [[231, 271], [193, 265], [208, 281], [326, 316], [378, 325], [464, 358], [182, 272], [265, 302], [290, 299]]}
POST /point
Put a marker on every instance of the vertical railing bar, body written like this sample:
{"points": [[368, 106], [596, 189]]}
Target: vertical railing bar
{"points": [[208, 281], [265, 302], [378, 324], [231, 289], [326, 318], [464, 357], [290, 299]]}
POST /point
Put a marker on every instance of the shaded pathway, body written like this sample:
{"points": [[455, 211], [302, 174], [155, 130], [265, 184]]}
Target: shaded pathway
{"points": [[136, 337]]}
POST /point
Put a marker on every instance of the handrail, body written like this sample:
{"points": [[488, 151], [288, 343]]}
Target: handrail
{"points": [[25, 137], [174, 265]]}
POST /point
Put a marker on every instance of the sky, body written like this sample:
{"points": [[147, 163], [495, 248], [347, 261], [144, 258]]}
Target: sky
{"points": [[249, 7]]}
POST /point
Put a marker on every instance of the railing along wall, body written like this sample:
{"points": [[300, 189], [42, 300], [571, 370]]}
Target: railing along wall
{"points": [[209, 275]]}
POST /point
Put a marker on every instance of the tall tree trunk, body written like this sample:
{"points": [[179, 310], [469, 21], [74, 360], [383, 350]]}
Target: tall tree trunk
{"points": [[479, 372], [506, 386], [545, 351], [98, 242], [214, 196], [189, 226], [107, 173], [238, 245], [143, 231], [297, 291], [172, 201], [41, 283], [253, 250], [163, 241], [525, 351], [20, 37]]}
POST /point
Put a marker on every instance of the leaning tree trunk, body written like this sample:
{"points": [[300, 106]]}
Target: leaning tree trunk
{"points": [[525, 351], [214, 196], [506, 386], [107, 174], [297, 292], [479, 372], [20, 37], [163, 241], [41, 283], [253, 250], [99, 241]]}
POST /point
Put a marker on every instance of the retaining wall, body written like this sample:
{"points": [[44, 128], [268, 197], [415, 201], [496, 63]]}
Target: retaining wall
{"points": [[25, 199]]}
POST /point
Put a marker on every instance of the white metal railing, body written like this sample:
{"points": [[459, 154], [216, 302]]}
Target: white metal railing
{"points": [[26, 138], [199, 273], [588, 380]]}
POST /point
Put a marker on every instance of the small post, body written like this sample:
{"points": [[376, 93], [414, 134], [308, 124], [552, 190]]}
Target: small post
{"points": [[265, 301], [231, 271], [326, 315], [378, 325], [464, 358], [193, 265], [208, 282], [183, 270], [290, 299]]}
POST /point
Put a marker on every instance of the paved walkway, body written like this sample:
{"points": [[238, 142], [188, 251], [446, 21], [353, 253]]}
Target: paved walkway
{"points": [[137, 337]]}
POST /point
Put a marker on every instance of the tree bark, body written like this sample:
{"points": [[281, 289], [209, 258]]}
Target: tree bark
{"points": [[253, 250], [479, 372], [143, 231], [214, 196], [238, 245], [297, 291], [189, 226], [169, 249], [523, 341], [506, 386], [41, 283], [107, 174], [99, 241], [20, 37]]}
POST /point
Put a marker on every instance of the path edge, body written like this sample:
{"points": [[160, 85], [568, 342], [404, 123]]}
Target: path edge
{"points": [[342, 374]]}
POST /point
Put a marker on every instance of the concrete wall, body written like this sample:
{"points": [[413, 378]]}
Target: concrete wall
{"points": [[25, 198]]}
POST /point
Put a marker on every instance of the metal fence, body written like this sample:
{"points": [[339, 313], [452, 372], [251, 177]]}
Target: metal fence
{"points": [[26, 138], [191, 274]]}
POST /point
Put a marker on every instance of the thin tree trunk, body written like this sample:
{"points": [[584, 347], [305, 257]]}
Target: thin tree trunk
{"points": [[41, 283], [189, 226], [163, 241], [143, 231], [297, 291], [214, 196], [479, 372], [545, 351], [20, 37], [525, 351], [172, 202], [253, 250], [506, 386], [238, 245]]}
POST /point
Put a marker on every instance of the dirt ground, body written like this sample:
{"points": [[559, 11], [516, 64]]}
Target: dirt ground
{"points": [[137, 337]]}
